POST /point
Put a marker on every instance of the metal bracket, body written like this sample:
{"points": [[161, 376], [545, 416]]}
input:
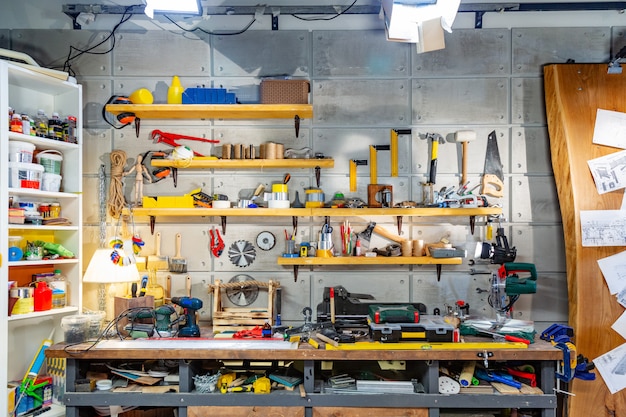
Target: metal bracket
{"points": [[485, 356]]}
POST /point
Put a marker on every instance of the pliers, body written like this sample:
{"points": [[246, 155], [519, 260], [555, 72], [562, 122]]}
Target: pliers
{"points": [[171, 139], [217, 244]]}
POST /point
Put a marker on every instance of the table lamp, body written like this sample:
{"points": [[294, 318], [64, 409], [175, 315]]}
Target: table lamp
{"points": [[103, 270]]}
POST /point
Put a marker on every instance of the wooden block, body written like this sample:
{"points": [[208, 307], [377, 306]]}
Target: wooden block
{"points": [[121, 304], [375, 194]]}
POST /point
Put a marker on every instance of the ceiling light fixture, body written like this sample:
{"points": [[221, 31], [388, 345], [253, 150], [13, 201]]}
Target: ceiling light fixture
{"points": [[419, 21], [190, 7]]}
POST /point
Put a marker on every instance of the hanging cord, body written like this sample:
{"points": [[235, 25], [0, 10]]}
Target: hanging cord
{"points": [[116, 188], [102, 209]]}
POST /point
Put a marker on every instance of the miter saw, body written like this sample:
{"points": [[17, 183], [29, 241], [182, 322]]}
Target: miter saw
{"points": [[511, 280]]}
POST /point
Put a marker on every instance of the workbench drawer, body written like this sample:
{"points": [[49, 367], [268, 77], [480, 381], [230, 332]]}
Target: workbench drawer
{"points": [[369, 412], [203, 411]]}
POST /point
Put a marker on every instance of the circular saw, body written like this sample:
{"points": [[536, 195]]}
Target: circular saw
{"points": [[241, 253], [244, 294]]}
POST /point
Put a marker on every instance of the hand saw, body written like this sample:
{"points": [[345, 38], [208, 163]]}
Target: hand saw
{"points": [[493, 177]]}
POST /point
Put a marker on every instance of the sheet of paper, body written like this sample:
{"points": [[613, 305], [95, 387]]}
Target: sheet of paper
{"points": [[620, 325], [612, 367], [614, 270], [609, 172], [610, 128], [603, 227]]}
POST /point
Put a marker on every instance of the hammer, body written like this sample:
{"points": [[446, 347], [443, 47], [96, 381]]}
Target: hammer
{"points": [[463, 137]]}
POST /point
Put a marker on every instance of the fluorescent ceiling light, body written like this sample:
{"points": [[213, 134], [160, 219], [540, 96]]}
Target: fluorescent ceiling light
{"points": [[191, 7]]}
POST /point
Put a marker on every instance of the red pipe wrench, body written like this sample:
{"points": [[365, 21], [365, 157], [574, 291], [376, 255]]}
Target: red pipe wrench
{"points": [[217, 244], [171, 139]]}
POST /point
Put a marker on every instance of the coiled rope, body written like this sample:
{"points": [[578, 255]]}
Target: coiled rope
{"points": [[116, 189]]}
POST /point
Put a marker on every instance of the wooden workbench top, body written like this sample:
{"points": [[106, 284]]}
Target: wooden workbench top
{"points": [[540, 350]]}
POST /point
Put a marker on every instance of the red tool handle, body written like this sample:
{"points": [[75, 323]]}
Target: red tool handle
{"points": [[516, 339]]}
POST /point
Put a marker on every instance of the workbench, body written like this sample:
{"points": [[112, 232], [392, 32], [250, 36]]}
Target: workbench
{"points": [[311, 401]]}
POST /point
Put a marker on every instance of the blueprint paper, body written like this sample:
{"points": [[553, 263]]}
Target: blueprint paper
{"points": [[620, 325], [603, 227], [610, 129], [609, 172], [612, 367], [614, 270]]}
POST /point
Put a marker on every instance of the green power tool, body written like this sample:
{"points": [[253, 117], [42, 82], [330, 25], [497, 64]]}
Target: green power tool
{"points": [[145, 322]]}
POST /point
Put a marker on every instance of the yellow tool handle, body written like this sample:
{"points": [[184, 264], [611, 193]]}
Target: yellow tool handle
{"points": [[384, 233], [373, 165], [435, 150], [492, 186], [352, 176], [394, 152]]}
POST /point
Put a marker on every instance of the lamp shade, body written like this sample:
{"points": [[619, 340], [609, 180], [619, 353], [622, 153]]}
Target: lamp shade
{"points": [[191, 7], [102, 270]]}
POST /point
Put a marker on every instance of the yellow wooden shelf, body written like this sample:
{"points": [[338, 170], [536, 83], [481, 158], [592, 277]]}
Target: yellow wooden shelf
{"points": [[362, 260], [213, 111], [312, 212], [245, 163]]}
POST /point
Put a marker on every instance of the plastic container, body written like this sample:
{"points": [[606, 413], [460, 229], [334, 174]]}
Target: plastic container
{"points": [[55, 127], [58, 284], [16, 252], [16, 123], [24, 175], [24, 301], [75, 328], [175, 91], [51, 182], [50, 160], [96, 320], [43, 296], [21, 151], [41, 124]]}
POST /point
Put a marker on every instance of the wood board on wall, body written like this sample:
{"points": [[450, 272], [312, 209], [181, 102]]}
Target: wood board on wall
{"points": [[573, 93]]}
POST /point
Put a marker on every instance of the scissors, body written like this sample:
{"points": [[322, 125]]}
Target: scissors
{"points": [[327, 228]]}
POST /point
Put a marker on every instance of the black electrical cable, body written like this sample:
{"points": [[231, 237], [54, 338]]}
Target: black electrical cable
{"points": [[239, 32], [67, 66], [313, 19]]}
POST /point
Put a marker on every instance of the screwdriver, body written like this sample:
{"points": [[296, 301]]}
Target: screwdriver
{"points": [[505, 337]]}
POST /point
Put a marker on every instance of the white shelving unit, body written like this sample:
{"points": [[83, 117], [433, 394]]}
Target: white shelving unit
{"points": [[21, 335]]}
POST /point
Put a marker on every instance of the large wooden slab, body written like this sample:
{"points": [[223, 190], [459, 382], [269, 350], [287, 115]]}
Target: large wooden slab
{"points": [[205, 411], [573, 93]]}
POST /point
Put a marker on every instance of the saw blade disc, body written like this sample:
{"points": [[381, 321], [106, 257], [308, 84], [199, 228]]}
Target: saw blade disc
{"points": [[242, 295], [266, 240], [241, 253]]}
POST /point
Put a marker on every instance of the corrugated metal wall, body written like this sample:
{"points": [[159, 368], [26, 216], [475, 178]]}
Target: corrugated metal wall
{"points": [[361, 87]]}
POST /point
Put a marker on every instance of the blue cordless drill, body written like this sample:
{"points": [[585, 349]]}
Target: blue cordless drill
{"points": [[191, 305]]}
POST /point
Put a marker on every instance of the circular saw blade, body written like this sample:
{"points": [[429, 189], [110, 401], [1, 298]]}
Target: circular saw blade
{"points": [[241, 253], [245, 294]]}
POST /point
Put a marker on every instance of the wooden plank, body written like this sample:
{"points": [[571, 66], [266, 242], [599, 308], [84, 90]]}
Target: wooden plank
{"points": [[369, 412], [573, 93], [203, 411]]}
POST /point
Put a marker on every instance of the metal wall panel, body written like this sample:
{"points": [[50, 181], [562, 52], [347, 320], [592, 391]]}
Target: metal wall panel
{"points": [[342, 54], [262, 54], [535, 47], [96, 92], [467, 52], [527, 101], [51, 48], [542, 245], [535, 200], [354, 102], [160, 53], [530, 150], [5, 38], [460, 101]]}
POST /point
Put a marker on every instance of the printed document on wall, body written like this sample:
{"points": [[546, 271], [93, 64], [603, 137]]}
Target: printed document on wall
{"points": [[609, 172], [610, 128], [614, 270], [612, 367], [603, 227]]}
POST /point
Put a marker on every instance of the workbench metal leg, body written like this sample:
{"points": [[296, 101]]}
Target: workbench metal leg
{"points": [[185, 376], [71, 373], [548, 383]]}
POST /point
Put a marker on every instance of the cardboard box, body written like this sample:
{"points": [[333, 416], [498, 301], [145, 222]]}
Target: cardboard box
{"points": [[285, 91]]}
